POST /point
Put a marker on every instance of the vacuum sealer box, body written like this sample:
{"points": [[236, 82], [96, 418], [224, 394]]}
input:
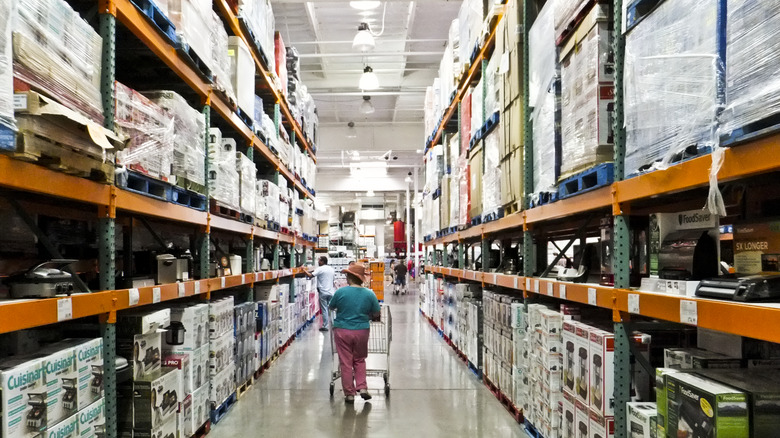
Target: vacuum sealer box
{"points": [[640, 419], [757, 248], [21, 381], [695, 358], [92, 419], [699, 406], [660, 399]]}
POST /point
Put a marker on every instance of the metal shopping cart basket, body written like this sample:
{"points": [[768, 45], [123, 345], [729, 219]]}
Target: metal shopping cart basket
{"points": [[380, 335]]}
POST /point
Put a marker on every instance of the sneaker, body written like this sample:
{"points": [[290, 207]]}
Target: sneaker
{"points": [[364, 394], [323, 329], [350, 399]]}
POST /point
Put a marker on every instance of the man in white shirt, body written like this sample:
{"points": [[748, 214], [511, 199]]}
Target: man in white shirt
{"points": [[326, 276]]}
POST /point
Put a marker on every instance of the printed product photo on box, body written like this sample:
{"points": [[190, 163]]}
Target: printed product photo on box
{"points": [[89, 361], [138, 322], [61, 382], [194, 322], [641, 419], [186, 417], [221, 353], [660, 399], [24, 394], [183, 363], [92, 420], [156, 398], [143, 353], [201, 406], [570, 359], [222, 385], [581, 419], [601, 426], [700, 407], [582, 367], [67, 428]]}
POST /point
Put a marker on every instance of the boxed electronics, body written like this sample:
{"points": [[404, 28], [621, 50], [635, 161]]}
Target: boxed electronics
{"points": [[757, 248], [201, 406], [62, 382], [89, 361], [183, 363], [570, 355], [695, 358], [568, 426], [581, 418], [641, 419], [697, 406], [197, 362], [220, 317], [194, 320], [67, 428], [222, 385], [660, 399], [143, 353], [92, 420], [155, 399], [185, 416], [582, 365], [671, 261], [23, 387], [587, 94], [221, 353]]}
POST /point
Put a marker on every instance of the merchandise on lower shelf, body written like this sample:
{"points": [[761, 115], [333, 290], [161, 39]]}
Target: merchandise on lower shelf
{"points": [[92, 420], [24, 394]]}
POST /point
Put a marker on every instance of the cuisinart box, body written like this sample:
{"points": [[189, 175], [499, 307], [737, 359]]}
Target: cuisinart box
{"points": [[68, 428], [156, 399], [641, 420], [92, 420], [62, 382], [757, 247], [89, 360], [138, 322], [23, 395], [700, 407]]}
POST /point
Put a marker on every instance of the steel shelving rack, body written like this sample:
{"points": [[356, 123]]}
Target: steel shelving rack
{"points": [[107, 202], [749, 159]]}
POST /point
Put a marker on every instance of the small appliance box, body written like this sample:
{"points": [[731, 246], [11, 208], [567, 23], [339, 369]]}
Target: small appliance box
{"points": [[197, 362], [62, 382], [23, 386], [220, 353], [700, 407], [89, 361], [570, 359], [569, 425], [641, 420], [201, 406], [695, 358], [757, 248], [143, 353], [582, 419], [601, 426], [186, 417], [92, 420], [660, 399], [222, 385], [68, 428], [156, 399], [194, 320], [582, 364], [602, 352], [169, 428], [183, 363], [139, 322]]}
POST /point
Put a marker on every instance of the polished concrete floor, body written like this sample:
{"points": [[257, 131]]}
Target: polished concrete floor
{"points": [[432, 392]]}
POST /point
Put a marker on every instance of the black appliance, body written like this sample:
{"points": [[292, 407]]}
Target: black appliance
{"points": [[688, 255], [587, 265], [36, 418], [175, 333], [762, 287]]}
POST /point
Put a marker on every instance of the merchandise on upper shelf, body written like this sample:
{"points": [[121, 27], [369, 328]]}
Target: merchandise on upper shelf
{"points": [[259, 18], [223, 175], [247, 174], [221, 65], [242, 75], [6, 65]]}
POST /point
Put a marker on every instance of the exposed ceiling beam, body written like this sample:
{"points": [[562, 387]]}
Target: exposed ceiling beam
{"points": [[367, 93], [411, 40], [368, 54], [378, 71]]}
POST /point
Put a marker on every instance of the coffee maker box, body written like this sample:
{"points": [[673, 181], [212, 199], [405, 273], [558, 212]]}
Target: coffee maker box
{"points": [[156, 398], [698, 406], [602, 382], [68, 428], [23, 388], [582, 363], [640, 419], [570, 358], [143, 353], [569, 425], [581, 419], [92, 420], [62, 382], [601, 426], [194, 319]]}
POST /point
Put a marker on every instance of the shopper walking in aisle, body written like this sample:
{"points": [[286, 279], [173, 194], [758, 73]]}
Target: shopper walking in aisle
{"points": [[326, 276], [400, 276], [355, 307]]}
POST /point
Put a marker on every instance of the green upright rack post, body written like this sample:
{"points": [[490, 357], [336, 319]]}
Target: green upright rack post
{"points": [[528, 148], [203, 236], [461, 255], [275, 264]]}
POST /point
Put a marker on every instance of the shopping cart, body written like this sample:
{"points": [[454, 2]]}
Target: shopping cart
{"points": [[380, 335]]}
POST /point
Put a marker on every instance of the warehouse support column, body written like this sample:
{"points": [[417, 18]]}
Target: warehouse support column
{"points": [[621, 237], [408, 217], [528, 149], [416, 228], [461, 255], [203, 238]]}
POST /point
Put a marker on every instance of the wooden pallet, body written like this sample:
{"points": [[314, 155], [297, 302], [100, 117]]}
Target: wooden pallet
{"points": [[242, 389], [61, 157], [221, 209]]}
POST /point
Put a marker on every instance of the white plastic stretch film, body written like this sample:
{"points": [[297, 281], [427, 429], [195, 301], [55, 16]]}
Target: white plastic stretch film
{"points": [[493, 83], [223, 176], [491, 181], [149, 130], [269, 193], [671, 83], [6, 65], [463, 184], [260, 18], [542, 97], [220, 61], [189, 129], [192, 18], [477, 106], [565, 12], [56, 50], [247, 173]]}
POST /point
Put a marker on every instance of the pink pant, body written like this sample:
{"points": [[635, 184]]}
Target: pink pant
{"points": [[352, 346]]}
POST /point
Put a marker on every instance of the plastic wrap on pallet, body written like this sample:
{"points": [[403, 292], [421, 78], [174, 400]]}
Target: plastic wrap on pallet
{"points": [[270, 194], [587, 93], [470, 22], [493, 82], [223, 175], [671, 83], [752, 45], [191, 18], [220, 61], [455, 199], [150, 133], [453, 39], [491, 181], [428, 108], [280, 54], [259, 18], [57, 51], [447, 77], [463, 189], [242, 74], [565, 13], [189, 129], [434, 168], [7, 11], [477, 107], [247, 174], [542, 97]]}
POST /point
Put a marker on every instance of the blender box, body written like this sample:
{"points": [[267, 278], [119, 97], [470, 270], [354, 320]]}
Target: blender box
{"points": [[62, 382], [156, 399], [700, 407], [68, 428], [143, 352], [182, 363], [581, 419], [763, 390], [582, 362], [640, 419], [138, 322], [569, 414], [570, 359], [660, 399], [23, 388], [602, 352], [194, 320], [92, 420], [601, 426]]}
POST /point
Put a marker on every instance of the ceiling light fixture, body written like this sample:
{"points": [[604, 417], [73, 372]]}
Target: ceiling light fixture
{"points": [[351, 131], [363, 40], [366, 107], [368, 80], [370, 193], [364, 5]]}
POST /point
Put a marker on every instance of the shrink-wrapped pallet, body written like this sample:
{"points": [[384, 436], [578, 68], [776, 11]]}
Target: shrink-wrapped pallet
{"points": [[491, 181], [189, 130], [242, 75], [220, 59], [193, 21], [259, 17], [7, 11], [247, 174], [672, 84], [55, 50], [223, 176], [269, 192], [150, 133]]}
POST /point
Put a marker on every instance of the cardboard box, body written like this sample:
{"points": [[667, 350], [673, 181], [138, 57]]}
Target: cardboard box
{"points": [[704, 407], [601, 426], [62, 382], [221, 353], [187, 422], [242, 74], [183, 363], [139, 322], [570, 358], [512, 177], [89, 362], [222, 385], [582, 363], [602, 382], [581, 419], [22, 382], [475, 181], [156, 399], [195, 319], [170, 428], [660, 399], [757, 248], [198, 364], [569, 425], [201, 406], [92, 420], [68, 428], [143, 353], [695, 358], [640, 419]]}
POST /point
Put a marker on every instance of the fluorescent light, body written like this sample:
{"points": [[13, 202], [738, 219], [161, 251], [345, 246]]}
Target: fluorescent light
{"points": [[408, 179], [366, 107], [368, 80], [364, 5], [370, 193], [363, 40]]}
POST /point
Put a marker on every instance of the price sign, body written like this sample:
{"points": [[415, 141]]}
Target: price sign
{"points": [[222, 282], [550, 289], [562, 290], [134, 297], [257, 276], [528, 284], [536, 286], [689, 313], [156, 295], [182, 292], [64, 309], [243, 278], [592, 296], [516, 282], [495, 279], [633, 303], [197, 287]]}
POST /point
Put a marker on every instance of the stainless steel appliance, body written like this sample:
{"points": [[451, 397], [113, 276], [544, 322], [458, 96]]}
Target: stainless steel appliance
{"points": [[44, 280], [167, 267]]}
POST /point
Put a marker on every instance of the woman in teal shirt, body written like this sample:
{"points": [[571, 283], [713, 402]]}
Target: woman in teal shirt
{"points": [[355, 307]]}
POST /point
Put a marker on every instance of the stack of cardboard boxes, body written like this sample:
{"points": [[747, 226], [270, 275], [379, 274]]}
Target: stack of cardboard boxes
{"points": [[222, 364]]}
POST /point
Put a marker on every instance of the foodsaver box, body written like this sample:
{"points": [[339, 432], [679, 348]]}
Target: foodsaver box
{"points": [[701, 407]]}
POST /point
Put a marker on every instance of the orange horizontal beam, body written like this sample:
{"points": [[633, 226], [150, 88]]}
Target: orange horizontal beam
{"points": [[20, 175], [225, 224], [140, 204], [599, 198]]}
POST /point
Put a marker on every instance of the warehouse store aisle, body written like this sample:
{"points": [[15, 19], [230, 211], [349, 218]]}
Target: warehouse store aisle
{"points": [[433, 394]]}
